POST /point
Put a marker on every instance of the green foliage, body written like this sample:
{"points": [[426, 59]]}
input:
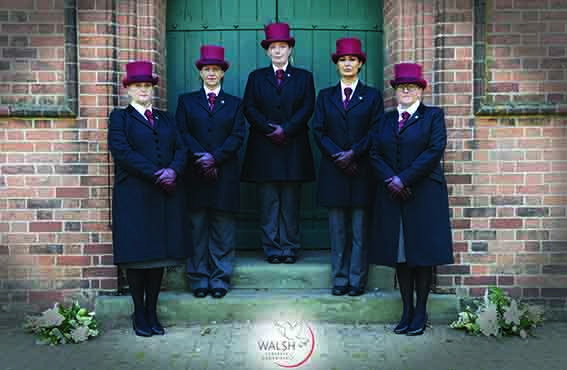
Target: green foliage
{"points": [[63, 325], [499, 315]]}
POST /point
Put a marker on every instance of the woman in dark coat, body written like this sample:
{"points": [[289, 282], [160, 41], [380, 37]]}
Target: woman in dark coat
{"points": [[211, 123], [147, 211], [411, 230], [345, 114], [278, 103]]}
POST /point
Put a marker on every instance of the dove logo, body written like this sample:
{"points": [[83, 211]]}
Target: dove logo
{"points": [[288, 344]]}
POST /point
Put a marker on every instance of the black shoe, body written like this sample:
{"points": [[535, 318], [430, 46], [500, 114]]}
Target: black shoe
{"points": [[339, 290], [417, 326], [154, 323], [140, 326], [218, 292], [404, 323], [274, 259], [290, 259], [354, 292], [200, 292]]}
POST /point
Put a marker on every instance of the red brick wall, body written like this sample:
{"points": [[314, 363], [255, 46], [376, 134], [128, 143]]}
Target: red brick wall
{"points": [[55, 239], [499, 71], [486, 62]]}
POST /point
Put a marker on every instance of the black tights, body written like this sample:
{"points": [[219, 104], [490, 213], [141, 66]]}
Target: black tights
{"points": [[144, 282], [418, 278]]}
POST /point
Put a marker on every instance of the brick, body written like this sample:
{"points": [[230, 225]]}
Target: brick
{"points": [[506, 223], [72, 192], [46, 249], [73, 260], [480, 235], [94, 272], [43, 203], [555, 269], [479, 212], [453, 270], [479, 280], [554, 292], [45, 227], [479, 246]]}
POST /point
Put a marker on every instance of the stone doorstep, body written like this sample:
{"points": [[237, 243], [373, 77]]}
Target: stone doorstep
{"points": [[312, 271], [376, 306]]}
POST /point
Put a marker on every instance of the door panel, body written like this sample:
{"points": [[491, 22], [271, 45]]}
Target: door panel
{"points": [[238, 25]]}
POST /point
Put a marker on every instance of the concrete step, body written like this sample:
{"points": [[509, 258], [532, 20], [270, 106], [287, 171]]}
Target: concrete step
{"points": [[375, 306], [312, 271]]}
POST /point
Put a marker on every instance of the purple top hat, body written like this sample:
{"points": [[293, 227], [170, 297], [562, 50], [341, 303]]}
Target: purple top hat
{"points": [[408, 73], [139, 71], [277, 32], [348, 46], [212, 55]]}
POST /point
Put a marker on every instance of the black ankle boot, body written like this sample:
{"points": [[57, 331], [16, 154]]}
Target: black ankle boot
{"points": [[154, 323], [140, 325]]}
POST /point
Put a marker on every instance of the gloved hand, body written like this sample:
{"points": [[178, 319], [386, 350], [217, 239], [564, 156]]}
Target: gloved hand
{"points": [[397, 188], [204, 160], [343, 159], [165, 175], [352, 170], [278, 135]]}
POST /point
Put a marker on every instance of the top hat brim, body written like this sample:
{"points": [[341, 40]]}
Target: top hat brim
{"points": [[335, 56], [223, 64], [141, 78], [418, 81], [266, 43]]}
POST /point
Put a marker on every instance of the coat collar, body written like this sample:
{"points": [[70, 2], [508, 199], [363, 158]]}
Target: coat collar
{"points": [[271, 76], [419, 113], [219, 103], [135, 114], [358, 97]]}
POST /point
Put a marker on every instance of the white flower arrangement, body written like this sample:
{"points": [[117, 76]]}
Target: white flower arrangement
{"points": [[63, 325], [499, 315]]}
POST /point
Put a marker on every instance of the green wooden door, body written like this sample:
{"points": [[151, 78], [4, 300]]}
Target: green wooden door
{"points": [[238, 25]]}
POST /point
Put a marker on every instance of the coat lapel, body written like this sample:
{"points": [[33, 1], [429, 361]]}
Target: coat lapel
{"points": [[271, 76], [415, 117], [134, 113], [203, 101], [358, 96], [288, 75], [337, 99], [219, 103]]}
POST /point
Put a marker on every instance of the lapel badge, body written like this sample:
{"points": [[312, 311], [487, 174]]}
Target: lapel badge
{"points": [[360, 98], [222, 101]]}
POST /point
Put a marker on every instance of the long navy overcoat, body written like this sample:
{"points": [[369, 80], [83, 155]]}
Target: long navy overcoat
{"points": [[221, 133], [335, 130], [414, 155], [291, 105], [148, 223]]}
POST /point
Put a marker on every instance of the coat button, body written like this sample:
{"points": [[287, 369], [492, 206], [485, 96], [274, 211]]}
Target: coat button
{"points": [[155, 133], [209, 129], [156, 140], [159, 155]]}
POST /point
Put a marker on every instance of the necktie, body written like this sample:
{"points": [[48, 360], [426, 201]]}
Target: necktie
{"points": [[150, 116], [212, 98], [405, 117], [348, 91], [279, 76]]}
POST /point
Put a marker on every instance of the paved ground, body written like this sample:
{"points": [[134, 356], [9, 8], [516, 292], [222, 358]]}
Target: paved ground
{"points": [[234, 346]]}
